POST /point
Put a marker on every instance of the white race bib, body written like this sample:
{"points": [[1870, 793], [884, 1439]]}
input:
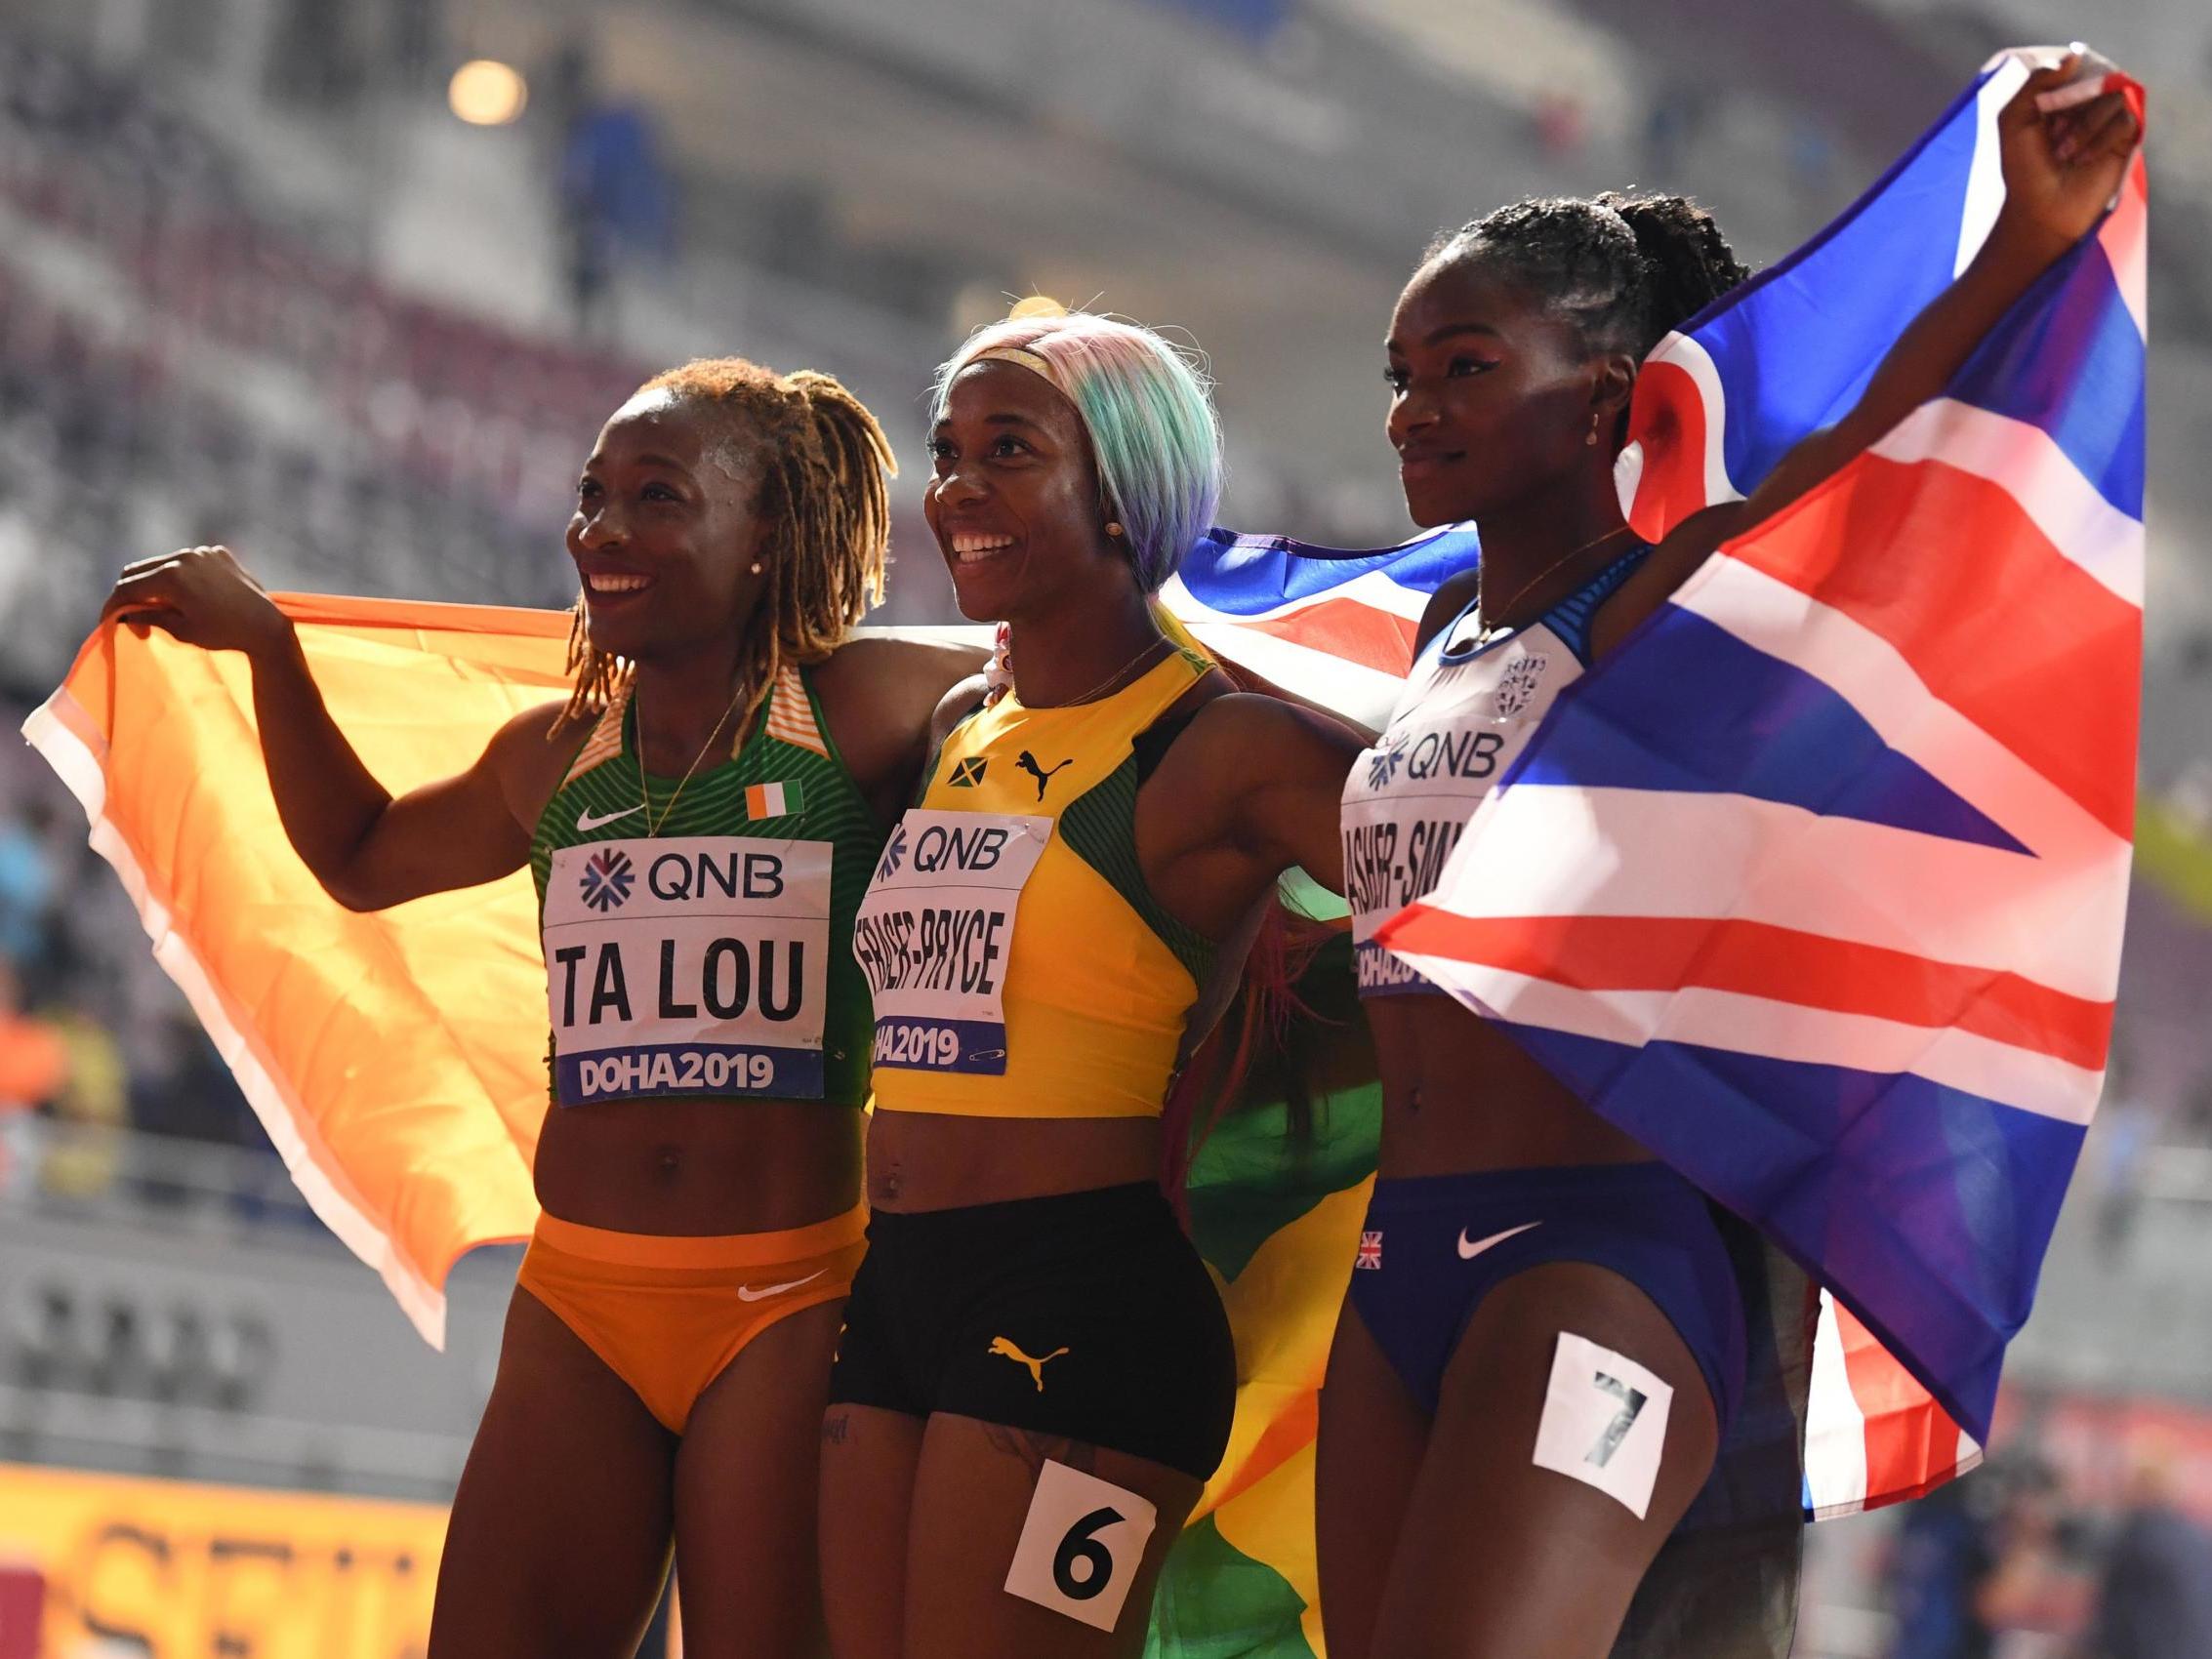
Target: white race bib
{"points": [[1603, 1421], [692, 965], [1463, 718], [1081, 1544], [934, 934]]}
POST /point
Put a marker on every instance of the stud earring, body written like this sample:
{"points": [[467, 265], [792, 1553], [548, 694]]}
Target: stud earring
{"points": [[1591, 440], [1113, 528], [755, 565]]}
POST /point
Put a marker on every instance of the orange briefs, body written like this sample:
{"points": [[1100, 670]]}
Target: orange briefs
{"points": [[668, 1313]]}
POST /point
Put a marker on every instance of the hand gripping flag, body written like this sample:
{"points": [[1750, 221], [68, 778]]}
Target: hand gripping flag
{"points": [[1816, 886]]}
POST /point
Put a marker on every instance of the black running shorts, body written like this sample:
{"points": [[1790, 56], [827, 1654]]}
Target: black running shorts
{"points": [[1084, 1314]]}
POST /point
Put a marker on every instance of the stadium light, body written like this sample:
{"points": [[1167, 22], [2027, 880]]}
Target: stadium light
{"points": [[486, 93]]}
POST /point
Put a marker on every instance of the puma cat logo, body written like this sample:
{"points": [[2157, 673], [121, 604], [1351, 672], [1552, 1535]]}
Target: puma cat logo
{"points": [[1028, 763], [1004, 1344]]}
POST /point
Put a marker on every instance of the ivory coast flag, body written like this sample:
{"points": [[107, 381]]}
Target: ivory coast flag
{"points": [[396, 1059]]}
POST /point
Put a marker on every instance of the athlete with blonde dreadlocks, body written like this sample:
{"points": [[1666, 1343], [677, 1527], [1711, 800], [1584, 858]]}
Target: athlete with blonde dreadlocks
{"points": [[701, 818]]}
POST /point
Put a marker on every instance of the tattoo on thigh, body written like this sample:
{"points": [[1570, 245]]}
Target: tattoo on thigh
{"points": [[836, 1427], [1036, 1449]]}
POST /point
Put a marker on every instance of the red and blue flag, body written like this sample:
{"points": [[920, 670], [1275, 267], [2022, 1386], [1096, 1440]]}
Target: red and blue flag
{"points": [[1334, 624]]}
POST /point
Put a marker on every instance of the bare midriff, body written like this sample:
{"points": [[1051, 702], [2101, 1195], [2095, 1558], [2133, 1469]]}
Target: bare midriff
{"points": [[699, 1169], [926, 1160], [1459, 1095]]}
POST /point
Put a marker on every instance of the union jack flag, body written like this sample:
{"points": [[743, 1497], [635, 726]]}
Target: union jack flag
{"points": [[1371, 1250], [1816, 886], [1333, 624]]}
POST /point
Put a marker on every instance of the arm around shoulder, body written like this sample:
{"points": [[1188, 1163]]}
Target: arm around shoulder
{"points": [[882, 695], [1279, 774]]}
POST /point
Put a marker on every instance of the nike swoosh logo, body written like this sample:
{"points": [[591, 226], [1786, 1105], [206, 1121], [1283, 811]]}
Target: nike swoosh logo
{"points": [[586, 821], [1468, 1252], [747, 1293]]}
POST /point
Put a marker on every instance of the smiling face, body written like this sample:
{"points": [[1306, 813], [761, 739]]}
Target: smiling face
{"points": [[1490, 396], [666, 528], [1014, 501]]}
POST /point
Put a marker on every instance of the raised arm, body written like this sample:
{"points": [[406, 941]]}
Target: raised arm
{"points": [[2061, 171], [367, 849]]}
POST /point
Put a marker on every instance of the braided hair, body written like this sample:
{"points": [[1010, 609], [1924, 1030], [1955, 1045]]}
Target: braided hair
{"points": [[825, 496], [1623, 270]]}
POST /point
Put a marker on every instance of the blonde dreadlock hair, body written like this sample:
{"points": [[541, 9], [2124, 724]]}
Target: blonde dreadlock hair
{"points": [[823, 491]]}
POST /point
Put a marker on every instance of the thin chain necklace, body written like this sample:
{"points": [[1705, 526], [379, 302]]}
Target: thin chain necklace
{"points": [[644, 795], [1482, 610], [1108, 682]]}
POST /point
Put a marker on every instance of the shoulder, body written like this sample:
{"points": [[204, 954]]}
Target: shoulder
{"points": [[537, 732], [959, 701], [1671, 562], [881, 693], [1254, 714], [531, 754], [1249, 772], [1452, 595], [877, 662], [1237, 740]]}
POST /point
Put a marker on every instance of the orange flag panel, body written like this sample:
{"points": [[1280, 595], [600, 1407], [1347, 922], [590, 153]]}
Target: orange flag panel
{"points": [[396, 1059]]}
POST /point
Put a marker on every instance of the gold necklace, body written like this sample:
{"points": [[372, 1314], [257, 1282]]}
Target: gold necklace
{"points": [[1100, 688], [1482, 611], [644, 795]]}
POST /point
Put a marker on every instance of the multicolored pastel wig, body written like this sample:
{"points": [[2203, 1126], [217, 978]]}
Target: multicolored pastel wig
{"points": [[1146, 409]]}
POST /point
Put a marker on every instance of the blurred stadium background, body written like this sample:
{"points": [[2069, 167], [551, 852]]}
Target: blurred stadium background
{"points": [[348, 284]]}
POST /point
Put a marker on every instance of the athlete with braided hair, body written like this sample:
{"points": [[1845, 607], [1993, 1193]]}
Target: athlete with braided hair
{"points": [[701, 816], [1531, 1281]]}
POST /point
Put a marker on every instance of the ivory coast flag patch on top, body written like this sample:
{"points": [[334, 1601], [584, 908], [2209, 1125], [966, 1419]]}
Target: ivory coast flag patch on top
{"points": [[772, 800]]}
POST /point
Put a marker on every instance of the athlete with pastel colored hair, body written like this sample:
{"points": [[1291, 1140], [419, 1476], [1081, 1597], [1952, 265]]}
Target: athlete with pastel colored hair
{"points": [[701, 816], [1035, 1376], [1511, 1229]]}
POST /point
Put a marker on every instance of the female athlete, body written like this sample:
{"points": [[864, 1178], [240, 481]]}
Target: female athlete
{"points": [[700, 817], [1514, 1237], [1037, 1377]]}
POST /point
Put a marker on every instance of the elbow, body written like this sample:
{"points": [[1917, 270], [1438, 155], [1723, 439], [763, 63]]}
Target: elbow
{"points": [[349, 893]]}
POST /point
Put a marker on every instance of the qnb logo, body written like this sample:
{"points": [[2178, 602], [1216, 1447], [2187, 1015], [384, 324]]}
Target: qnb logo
{"points": [[607, 878], [1383, 763], [894, 855]]}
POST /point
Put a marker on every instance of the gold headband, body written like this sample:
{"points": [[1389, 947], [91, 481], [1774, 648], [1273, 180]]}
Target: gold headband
{"points": [[1030, 360]]}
